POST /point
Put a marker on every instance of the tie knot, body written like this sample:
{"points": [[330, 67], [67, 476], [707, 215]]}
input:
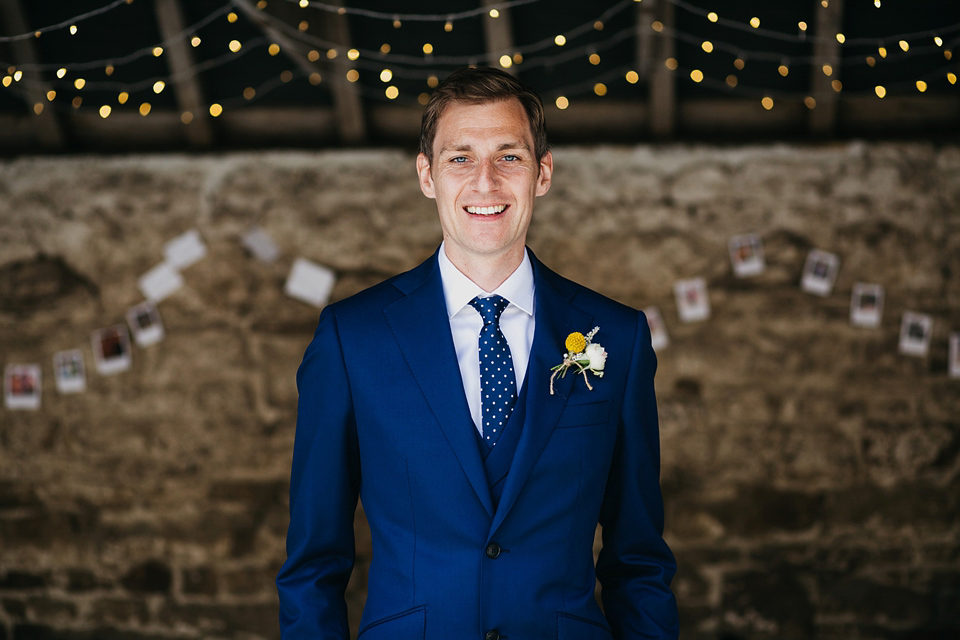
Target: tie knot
{"points": [[490, 308]]}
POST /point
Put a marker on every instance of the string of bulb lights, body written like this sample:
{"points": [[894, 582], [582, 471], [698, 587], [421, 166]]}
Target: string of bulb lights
{"points": [[428, 67]]}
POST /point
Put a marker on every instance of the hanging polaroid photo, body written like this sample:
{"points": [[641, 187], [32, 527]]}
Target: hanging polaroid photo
{"points": [[160, 282], [866, 305], [111, 349], [69, 371], [915, 332], [260, 245], [309, 282], [658, 331], [144, 321], [746, 255], [820, 272], [954, 355], [184, 250], [21, 384], [693, 304]]}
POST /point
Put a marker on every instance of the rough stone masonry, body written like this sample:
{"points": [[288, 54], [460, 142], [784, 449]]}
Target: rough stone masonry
{"points": [[811, 473]]}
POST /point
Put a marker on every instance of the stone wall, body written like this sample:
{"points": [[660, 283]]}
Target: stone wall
{"points": [[811, 473]]}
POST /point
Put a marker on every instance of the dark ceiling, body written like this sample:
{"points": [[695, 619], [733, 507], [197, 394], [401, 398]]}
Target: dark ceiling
{"points": [[82, 75]]}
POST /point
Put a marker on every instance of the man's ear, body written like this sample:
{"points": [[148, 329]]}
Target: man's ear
{"points": [[546, 174], [426, 177]]}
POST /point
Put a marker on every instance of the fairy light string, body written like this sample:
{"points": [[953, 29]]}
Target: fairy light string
{"points": [[547, 52]]}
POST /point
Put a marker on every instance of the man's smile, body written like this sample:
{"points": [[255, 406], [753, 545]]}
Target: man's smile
{"points": [[486, 211]]}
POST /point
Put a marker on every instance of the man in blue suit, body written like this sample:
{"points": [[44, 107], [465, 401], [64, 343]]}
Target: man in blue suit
{"points": [[483, 471]]}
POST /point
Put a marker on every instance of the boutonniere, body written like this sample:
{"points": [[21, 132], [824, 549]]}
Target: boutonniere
{"points": [[583, 355]]}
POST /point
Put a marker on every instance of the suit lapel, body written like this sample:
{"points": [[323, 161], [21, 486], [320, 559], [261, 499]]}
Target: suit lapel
{"points": [[422, 329], [555, 318]]}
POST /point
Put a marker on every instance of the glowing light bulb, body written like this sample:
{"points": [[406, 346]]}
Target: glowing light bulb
{"points": [[392, 93], [696, 75], [712, 16], [105, 111], [235, 45], [600, 89], [560, 40], [562, 102], [386, 75], [633, 77], [707, 46], [594, 59], [880, 90], [506, 61], [494, 13], [216, 110], [755, 22], [767, 103]]}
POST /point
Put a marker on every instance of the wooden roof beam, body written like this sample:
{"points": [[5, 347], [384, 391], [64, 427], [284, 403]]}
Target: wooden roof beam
{"points": [[663, 94], [348, 106], [498, 34], [186, 85], [826, 57], [49, 130]]}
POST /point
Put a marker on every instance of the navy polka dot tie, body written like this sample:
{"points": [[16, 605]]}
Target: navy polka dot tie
{"points": [[498, 385]]}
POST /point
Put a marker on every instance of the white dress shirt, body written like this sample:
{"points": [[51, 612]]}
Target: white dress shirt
{"points": [[516, 323]]}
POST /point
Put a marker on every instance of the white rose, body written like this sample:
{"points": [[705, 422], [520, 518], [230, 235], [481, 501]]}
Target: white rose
{"points": [[597, 356]]}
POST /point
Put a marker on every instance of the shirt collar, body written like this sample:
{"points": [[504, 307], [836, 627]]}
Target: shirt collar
{"points": [[459, 290]]}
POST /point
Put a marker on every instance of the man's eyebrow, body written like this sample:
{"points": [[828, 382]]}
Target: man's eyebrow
{"points": [[520, 144]]}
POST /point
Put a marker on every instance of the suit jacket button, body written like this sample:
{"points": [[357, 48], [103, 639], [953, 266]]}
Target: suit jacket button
{"points": [[493, 634], [492, 551]]}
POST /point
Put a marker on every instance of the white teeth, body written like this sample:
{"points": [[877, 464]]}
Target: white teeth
{"points": [[487, 211]]}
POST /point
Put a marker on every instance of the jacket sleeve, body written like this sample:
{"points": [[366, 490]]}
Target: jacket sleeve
{"points": [[324, 485], [635, 566]]}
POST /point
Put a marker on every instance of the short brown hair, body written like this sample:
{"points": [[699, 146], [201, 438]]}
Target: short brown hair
{"points": [[476, 85]]}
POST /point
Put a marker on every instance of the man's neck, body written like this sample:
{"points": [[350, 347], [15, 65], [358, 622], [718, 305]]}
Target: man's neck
{"points": [[488, 272]]}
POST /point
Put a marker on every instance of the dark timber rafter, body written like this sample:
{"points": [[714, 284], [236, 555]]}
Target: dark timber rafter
{"points": [[46, 124], [826, 56], [346, 95], [185, 83]]}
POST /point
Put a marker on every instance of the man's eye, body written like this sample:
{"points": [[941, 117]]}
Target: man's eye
{"points": [[458, 160], [511, 158]]}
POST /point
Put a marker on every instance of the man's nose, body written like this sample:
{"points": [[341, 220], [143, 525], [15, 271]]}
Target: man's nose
{"points": [[487, 179]]}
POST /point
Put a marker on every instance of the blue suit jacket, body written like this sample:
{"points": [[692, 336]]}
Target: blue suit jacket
{"points": [[382, 415]]}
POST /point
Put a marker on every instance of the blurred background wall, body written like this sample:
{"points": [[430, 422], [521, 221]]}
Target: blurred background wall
{"points": [[811, 473]]}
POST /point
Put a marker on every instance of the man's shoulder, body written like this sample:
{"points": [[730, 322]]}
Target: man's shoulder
{"points": [[386, 292], [586, 298]]}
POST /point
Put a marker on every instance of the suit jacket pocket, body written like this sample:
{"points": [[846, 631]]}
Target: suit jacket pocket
{"points": [[571, 627], [406, 625], [580, 415]]}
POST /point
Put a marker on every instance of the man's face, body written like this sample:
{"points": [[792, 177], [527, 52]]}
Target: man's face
{"points": [[484, 177]]}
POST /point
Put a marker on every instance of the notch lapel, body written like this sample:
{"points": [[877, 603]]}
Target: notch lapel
{"points": [[556, 317], [419, 320]]}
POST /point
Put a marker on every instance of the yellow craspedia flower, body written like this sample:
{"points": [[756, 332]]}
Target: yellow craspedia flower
{"points": [[575, 342]]}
